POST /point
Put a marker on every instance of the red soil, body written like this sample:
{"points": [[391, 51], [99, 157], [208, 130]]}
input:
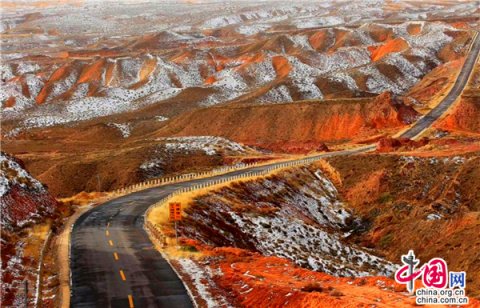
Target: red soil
{"points": [[379, 33], [447, 147], [318, 40], [10, 102], [275, 282], [181, 57], [250, 279], [281, 65], [246, 60], [465, 117], [389, 144], [340, 38], [414, 29], [25, 89], [60, 73], [57, 75], [460, 25], [299, 127], [396, 195], [110, 67], [147, 69], [395, 45], [210, 80], [435, 82], [43, 94], [451, 52], [92, 72]]}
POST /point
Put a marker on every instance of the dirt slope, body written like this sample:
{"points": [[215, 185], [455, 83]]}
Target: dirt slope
{"points": [[303, 124], [429, 204], [27, 209], [465, 115], [321, 218]]}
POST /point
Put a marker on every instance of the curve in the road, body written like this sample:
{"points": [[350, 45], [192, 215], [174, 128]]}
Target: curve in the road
{"points": [[460, 83], [113, 262]]}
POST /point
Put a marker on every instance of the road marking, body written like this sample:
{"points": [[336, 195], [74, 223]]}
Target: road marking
{"points": [[110, 242], [122, 275], [115, 255], [130, 301], [107, 233]]}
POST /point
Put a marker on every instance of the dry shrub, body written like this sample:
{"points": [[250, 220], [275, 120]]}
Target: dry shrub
{"points": [[313, 287], [330, 172], [336, 293]]}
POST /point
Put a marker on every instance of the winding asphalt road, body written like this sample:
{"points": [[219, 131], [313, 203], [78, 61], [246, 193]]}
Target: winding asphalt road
{"points": [[114, 263], [427, 120]]}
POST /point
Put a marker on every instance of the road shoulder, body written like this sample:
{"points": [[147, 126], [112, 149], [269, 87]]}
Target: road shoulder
{"points": [[62, 249]]}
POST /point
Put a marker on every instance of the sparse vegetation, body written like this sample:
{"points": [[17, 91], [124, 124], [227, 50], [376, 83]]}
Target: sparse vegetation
{"points": [[385, 198], [313, 287], [189, 248]]}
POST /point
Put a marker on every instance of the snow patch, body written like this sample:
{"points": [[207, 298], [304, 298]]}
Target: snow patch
{"points": [[124, 128], [202, 280], [210, 145]]}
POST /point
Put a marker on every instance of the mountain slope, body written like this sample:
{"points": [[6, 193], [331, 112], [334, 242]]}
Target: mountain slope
{"points": [[301, 125], [26, 206]]}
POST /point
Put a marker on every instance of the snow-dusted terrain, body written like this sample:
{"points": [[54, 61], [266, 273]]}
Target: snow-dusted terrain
{"points": [[191, 145], [298, 216], [210, 145], [23, 199], [202, 280], [12, 174], [220, 53], [24, 202]]}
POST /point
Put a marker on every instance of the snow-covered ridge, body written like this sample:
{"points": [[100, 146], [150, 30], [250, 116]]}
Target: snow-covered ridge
{"points": [[282, 234], [137, 81], [11, 173]]}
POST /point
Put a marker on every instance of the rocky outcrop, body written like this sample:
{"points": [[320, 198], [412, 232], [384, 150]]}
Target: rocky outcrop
{"points": [[24, 203], [23, 199]]}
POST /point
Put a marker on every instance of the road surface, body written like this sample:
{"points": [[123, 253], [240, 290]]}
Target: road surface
{"points": [[434, 114], [114, 263]]}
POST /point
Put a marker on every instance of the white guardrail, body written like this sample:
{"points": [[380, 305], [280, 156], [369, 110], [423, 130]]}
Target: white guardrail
{"points": [[155, 230], [219, 171]]}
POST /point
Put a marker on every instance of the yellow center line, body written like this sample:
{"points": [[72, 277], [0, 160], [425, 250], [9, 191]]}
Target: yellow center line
{"points": [[122, 275], [115, 256], [130, 301], [107, 233], [110, 242]]}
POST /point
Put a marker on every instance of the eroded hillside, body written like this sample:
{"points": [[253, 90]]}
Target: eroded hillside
{"points": [[90, 105], [299, 127], [351, 216], [28, 212], [217, 69], [429, 204]]}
